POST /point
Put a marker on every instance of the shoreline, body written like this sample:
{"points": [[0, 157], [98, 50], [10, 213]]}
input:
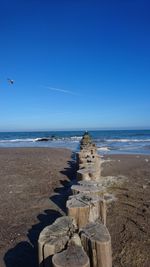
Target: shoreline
{"points": [[103, 155], [110, 142], [31, 179]]}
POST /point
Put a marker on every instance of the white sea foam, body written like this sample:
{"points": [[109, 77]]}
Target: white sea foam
{"points": [[103, 148], [17, 140], [128, 140], [76, 138], [71, 139]]}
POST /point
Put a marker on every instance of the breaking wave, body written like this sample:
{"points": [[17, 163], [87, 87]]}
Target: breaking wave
{"points": [[127, 140], [19, 140], [103, 149], [108, 142]]}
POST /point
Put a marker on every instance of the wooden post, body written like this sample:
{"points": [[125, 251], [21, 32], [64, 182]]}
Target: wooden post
{"points": [[54, 238], [96, 241], [73, 256], [83, 174], [85, 189], [88, 174], [86, 156], [90, 183], [86, 165], [58, 244], [86, 208]]}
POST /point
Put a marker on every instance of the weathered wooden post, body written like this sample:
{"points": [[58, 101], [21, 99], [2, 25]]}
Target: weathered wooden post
{"points": [[86, 208], [54, 238], [59, 244], [85, 189], [96, 241], [73, 256]]}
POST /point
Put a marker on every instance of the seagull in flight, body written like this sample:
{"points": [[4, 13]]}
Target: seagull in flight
{"points": [[10, 81]]}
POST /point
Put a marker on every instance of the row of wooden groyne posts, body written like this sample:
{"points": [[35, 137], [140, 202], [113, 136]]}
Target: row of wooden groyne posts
{"points": [[81, 238]]}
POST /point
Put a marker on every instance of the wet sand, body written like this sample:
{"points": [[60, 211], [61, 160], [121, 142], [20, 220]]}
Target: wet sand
{"points": [[28, 179]]}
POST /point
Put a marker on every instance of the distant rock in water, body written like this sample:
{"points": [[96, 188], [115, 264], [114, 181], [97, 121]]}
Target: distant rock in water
{"points": [[43, 139]]}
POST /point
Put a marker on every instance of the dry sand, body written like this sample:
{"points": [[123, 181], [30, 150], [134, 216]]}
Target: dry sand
{"points": [[128, 218], [28, 178]]}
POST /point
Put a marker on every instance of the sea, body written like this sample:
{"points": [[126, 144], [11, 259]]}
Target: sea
{"points": [[108, 142]]}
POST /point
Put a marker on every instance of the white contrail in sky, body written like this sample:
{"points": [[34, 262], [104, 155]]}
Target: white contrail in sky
{"points": [[61, 90]]}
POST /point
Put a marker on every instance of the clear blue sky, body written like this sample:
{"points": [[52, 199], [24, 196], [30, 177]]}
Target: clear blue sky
{"points": [[76, 64]]}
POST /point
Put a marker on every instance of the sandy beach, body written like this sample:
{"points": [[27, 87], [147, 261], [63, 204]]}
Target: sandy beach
{"points": [[128, 218], [28, 178], [35, 183]]}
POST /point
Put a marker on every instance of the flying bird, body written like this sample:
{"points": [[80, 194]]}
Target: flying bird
{"points": [[10, 81]]}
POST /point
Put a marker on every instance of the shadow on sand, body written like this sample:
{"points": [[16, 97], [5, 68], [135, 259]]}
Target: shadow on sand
{"points": [[25, 253]]}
